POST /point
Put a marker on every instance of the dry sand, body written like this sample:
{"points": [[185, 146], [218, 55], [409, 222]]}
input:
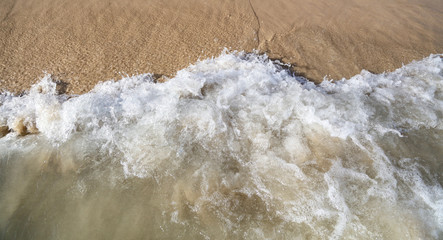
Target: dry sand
{"points": [[85, 41]]}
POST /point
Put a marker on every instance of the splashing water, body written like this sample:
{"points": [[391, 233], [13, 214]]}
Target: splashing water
{"points": [[233, 147]]}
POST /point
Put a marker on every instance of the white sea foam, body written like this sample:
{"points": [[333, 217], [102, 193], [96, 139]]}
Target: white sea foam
{"points": [[231, 147]]}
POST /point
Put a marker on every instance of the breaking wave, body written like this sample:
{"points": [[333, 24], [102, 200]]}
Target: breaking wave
{"points": [[234, 147]]}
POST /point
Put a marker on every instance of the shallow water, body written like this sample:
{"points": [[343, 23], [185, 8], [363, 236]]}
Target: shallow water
{"points": [[234, 147]]}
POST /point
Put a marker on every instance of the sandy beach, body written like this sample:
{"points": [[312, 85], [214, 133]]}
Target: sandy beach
{"points": [[84, 42], [232, 145]]}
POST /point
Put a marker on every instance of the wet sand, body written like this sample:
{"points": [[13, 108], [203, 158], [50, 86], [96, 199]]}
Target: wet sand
{"points": [[84, 42]]}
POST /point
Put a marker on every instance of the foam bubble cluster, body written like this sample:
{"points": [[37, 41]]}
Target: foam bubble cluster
{"points": [[232, 147]]}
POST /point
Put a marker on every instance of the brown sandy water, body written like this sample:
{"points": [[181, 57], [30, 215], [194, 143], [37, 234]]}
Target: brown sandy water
{"points": [[84, 42]]}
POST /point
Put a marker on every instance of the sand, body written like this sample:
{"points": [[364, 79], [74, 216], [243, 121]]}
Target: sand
{"points": [[86, 41]]}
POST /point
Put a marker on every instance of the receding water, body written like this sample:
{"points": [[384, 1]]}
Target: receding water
{"points": [[234, 147]]}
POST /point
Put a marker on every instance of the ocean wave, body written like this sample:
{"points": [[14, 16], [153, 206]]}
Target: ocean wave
{"points": [[235, 146]]}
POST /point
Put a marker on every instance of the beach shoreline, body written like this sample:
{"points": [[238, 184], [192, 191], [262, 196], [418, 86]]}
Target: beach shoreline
{"points": [[234, 143], [86, 42]]}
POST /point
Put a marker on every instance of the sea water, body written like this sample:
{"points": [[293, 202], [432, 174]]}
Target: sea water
{"points": [[232, 147]]}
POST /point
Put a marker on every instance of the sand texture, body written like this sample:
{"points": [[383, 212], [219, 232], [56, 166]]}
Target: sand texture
{"points": [[86, 41]]}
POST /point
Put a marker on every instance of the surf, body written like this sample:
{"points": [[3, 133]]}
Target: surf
{"points": [[234, 147]]}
